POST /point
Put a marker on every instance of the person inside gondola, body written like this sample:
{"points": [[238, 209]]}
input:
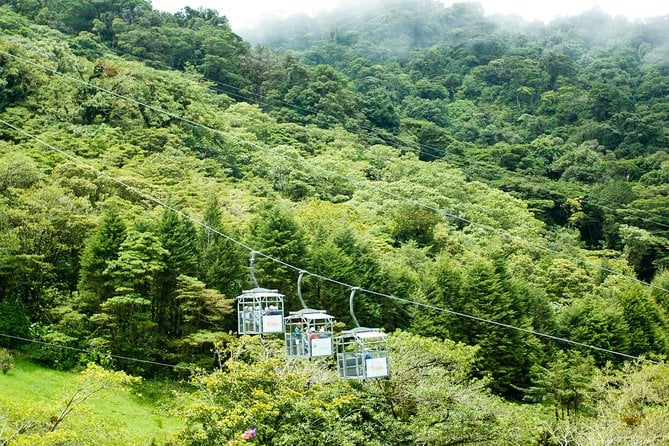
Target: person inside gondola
{"points": [[298, 337], [366, 354]]}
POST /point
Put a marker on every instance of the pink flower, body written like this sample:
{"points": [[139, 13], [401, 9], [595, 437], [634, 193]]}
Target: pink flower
{"points": [[249, 434]]}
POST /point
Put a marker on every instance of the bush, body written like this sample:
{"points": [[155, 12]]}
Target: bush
{"points": [[6, 361]]}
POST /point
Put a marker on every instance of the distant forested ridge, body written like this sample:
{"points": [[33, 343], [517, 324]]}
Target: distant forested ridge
{"points": [[573, 109], [508, 171]]}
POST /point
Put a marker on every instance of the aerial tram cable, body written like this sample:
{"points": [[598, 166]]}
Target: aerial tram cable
{"points": [[362, 184], [94, 353], [156, 200], [404, 144]]}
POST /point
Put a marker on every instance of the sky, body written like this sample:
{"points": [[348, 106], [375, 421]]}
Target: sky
{"points": [[244, 14]]}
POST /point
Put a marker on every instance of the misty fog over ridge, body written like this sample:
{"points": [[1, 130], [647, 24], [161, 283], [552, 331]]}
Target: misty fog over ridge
{"points": [[394, 28]]}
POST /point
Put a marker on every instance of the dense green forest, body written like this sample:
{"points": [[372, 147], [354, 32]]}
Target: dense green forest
{"points": [[487, 168]]}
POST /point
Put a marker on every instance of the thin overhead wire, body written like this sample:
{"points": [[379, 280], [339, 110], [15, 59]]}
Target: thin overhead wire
{"points": [[91, 352], [421, 150], [524, 330], [351, 180], [354, 289]]}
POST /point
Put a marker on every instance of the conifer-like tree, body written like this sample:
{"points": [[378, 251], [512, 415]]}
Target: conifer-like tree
{"points": [[179, 240], [95, 283], [222, 262], [506, 354], [274, 232]]}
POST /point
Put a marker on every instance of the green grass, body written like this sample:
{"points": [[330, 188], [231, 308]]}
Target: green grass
{"points": [[139, 417]]}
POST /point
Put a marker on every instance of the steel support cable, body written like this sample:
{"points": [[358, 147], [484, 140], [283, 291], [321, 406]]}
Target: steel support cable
{"points": [[254, 253], [359, 183], [299, 288], [403, 143], [82, 350], [350, 306], [241, 140], [362, 184]]}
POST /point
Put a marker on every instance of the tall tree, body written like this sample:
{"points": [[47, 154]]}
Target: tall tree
{"points": [[443, 288], [95, 283], [506, 354], [274, 232], [179, 240], [222, 261]]}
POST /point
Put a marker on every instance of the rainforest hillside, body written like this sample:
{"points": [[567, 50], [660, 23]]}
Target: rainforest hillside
{"points": [[497, 189]]}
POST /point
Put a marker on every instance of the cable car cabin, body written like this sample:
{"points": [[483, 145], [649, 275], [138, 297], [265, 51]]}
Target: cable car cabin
{"points": [[260, 311], [362, 353], [309, 333]]}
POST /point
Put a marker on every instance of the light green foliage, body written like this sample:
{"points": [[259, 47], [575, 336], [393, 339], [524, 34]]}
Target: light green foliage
{"points": [[566, 384], [199, 307], [413, 223], [640, 246], [17, 171], [566, 282], [66, 421], [457, 118], [257, 388], [429, 398], [630, 411], [431, 388], [140, 257]]}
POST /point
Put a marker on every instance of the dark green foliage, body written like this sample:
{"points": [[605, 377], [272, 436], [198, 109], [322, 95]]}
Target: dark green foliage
{"points": [[380, 110], [14, 321], [413, 223], [223, 263], [6, 361], [524, 83], [598, 322], [274, 232], [443, 290], [101, 249], [506, 354], [648, 324], [179, 238]]}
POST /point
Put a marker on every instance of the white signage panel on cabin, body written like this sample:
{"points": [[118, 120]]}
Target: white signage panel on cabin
{"points": [[272, 323], [376, 367], [321, 347]]}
